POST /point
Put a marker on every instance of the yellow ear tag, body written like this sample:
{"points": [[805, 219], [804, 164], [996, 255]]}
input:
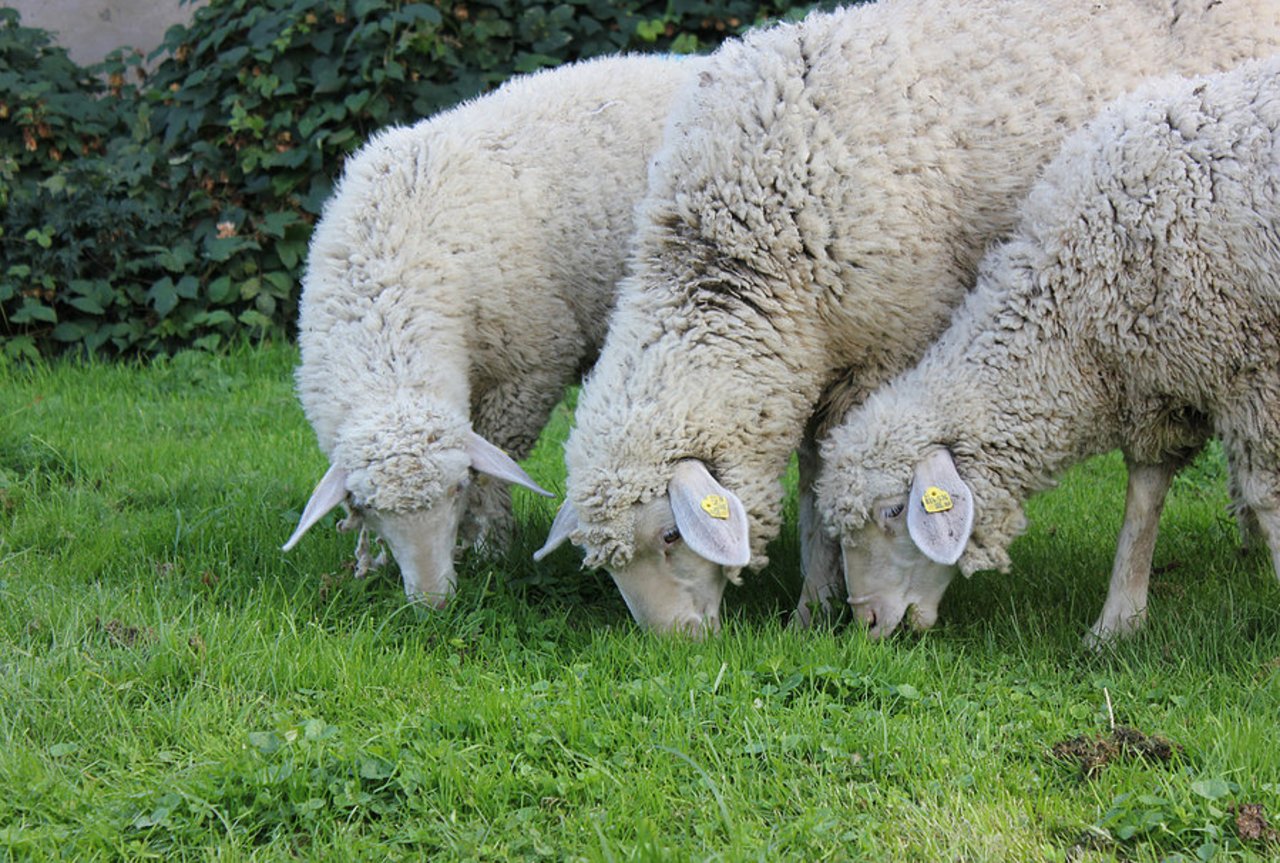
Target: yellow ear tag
{"points": [[715, 506], [936, 500]]}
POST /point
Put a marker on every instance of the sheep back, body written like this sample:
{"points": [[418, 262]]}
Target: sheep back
{"points": [[471, 259], [819, 207]]}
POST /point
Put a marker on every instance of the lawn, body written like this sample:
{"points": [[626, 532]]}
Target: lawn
{"points": [[174, 687]]}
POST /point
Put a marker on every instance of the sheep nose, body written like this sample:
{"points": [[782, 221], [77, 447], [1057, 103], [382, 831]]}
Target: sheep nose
{"points": [[698, 627], [865, 612]]}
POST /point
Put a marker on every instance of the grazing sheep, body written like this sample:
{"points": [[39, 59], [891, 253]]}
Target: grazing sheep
{"points": [[1136, 306], [817, 210], [461, 277]]}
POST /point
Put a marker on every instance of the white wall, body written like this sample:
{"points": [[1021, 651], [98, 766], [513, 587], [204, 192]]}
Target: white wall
{"points": [[89, 29]]}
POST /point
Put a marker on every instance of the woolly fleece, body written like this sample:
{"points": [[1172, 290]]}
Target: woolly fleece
{"points": [[1137, 306], [464, 270], [818, 208]]}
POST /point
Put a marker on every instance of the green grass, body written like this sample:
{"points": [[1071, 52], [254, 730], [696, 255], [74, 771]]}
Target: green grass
{"points": [[173, 687]]}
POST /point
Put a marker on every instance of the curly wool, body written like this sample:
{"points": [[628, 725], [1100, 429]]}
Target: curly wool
{"points": [[819, 206], [1137, 306], [464, 270], [405, 453]]}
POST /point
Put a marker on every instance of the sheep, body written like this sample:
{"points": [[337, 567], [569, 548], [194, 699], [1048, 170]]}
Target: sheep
{"points": [[817, 210], [459, 280], [1137, 305]]}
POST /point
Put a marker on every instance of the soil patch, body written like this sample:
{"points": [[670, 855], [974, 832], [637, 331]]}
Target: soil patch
{"points": [[1252, 825], [123, 635], [1092, 839], [1123, 743]]}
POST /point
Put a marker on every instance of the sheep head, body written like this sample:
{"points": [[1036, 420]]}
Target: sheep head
{"points": [[902, 557], [687, 544], [412, 492]]}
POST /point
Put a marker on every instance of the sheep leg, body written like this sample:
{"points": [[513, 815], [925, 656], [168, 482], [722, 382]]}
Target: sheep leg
{"points": [[1126, 607], [1253, 475], [510, 415], [1269, 522], [819, 554], [1247, 521], [488, 522]]}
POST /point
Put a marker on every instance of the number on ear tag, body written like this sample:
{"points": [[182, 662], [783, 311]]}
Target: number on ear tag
{"points": [[716, 506], [936, 500]]}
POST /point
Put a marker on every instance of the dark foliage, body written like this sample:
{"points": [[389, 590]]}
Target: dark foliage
{"points": [[145, 213]]}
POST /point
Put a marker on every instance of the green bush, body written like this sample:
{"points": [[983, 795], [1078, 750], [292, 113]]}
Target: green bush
{"points": [[141, 218], [80, 223]]}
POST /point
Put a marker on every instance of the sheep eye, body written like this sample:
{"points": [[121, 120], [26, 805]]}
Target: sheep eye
{"points": [[671, 535], [895, 510]]}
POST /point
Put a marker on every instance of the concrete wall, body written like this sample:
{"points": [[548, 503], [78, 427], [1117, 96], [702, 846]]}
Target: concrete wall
{"points": [[90, 29]]}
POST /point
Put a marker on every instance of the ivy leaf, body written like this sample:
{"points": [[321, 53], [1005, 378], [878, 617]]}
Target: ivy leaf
{"points": [[364, 7], [215, 318], [72, 331], [255, 319], [178, 258], [274, 224], [88, 305], [221, 290], [220, 249], [33, 310], [527, 62], [163, 296], [326, 72], [422, 13], [188, 287], [291, 252]]}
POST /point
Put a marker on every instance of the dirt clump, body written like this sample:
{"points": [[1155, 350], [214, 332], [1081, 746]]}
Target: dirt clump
{"points": [[1252, 825], [1093, 753], [120, 634], [1092, 839]]}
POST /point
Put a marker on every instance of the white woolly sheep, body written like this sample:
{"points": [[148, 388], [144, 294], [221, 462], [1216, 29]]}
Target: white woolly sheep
{"points": [[1136, 306], [817, 210], [460, 278]]}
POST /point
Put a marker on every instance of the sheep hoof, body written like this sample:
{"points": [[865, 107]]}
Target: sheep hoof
{"points": [[1113, 627]]}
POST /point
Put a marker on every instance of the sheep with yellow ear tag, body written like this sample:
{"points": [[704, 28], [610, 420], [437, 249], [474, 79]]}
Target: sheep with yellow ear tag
{"points": [[1135, 306], [816, 212]]}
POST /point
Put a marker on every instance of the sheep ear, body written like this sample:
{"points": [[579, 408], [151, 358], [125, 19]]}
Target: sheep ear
{"points": [[488, 459], [711, 519], [940, 509], [566, 523], [331, 491]]}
